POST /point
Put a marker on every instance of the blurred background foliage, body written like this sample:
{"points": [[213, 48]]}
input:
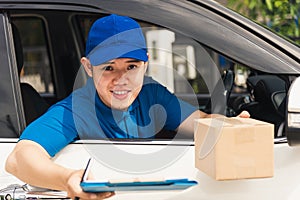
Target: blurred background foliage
{"points": [[282, 16]]}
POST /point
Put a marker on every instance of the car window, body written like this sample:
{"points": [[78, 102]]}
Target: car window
{"points": [[183, 65], [182, 59], [36, 67], [178, 60], [186, 67]]}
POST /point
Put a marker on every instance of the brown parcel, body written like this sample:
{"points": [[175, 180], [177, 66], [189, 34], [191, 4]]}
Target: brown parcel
{"points": [[234, 148]]}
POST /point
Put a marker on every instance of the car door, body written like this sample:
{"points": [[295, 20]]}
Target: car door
{"points": [[198, 39]]}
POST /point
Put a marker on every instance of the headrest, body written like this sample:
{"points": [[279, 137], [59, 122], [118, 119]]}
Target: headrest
{"points": [[266, 86]]}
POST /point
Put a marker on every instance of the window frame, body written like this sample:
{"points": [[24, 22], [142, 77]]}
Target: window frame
{"points": [[9, 67]]}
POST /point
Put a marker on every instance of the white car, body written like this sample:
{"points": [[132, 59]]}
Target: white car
{"points": [[195, 47]]}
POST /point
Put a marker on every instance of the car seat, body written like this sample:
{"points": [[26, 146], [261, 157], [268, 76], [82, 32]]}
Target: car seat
{"points": [[34, 105], [268, 103]]}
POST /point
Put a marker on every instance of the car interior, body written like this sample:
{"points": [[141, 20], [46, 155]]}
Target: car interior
{"points": [[34, 105], [268, 95], [264, 96]]}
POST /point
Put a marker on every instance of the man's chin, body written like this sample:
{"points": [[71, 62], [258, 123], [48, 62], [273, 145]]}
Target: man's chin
{"points": [[120, 106]]}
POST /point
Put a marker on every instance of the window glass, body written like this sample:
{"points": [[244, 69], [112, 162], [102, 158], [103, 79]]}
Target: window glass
{"points": [[36, 70]]}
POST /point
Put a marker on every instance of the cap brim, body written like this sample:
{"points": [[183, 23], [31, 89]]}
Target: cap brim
{"points": [[101, 54]]}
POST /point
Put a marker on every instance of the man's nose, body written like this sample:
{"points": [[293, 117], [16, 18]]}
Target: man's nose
{"points": [[121, 77]]}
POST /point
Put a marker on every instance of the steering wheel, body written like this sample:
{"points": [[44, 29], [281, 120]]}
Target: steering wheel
{"points": [[221, 94]]}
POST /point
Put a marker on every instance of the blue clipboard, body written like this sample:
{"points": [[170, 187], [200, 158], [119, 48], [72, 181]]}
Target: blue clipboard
{"points": [[136, 185], [168, 184]]}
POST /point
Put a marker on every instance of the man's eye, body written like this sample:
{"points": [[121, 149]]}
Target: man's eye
{"points": [[107, 68], [131, 67]]}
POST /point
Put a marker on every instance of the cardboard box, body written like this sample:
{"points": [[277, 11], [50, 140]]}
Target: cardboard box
{"points": [[234, 148]]}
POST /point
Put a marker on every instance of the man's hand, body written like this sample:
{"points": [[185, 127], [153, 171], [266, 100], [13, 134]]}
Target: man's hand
{"points": [[244, 114], [75, 192]]}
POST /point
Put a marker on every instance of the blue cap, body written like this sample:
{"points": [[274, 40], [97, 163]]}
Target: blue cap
{"points": [[114, 37]]}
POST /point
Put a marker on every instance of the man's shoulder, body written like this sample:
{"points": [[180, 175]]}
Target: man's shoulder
{"points": [[150, 83], [81, 95], [152, 90]]}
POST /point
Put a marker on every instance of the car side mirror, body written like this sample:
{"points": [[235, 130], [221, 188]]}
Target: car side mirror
{"points": [[293, 114]]}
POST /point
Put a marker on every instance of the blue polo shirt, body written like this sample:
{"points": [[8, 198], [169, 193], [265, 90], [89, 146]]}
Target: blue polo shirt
{"points": [[83, 115]]}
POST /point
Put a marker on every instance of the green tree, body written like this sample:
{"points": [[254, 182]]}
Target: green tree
{"points": [[281, 16]]}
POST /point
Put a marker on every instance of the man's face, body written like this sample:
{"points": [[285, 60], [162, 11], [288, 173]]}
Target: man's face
{"points": [[119, 81]]}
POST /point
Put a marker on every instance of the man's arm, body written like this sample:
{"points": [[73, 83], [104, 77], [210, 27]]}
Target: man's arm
{"points": [[187, 126], [32, 164]]}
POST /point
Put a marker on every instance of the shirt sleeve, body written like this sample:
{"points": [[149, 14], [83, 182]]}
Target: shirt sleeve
{"points": [[53, 131]]}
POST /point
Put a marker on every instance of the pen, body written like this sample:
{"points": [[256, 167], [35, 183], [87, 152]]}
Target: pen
{"points": [[85, 174], [86, 171]]}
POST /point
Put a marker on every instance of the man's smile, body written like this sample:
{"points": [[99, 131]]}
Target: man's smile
{"points": [[120, 94]]}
